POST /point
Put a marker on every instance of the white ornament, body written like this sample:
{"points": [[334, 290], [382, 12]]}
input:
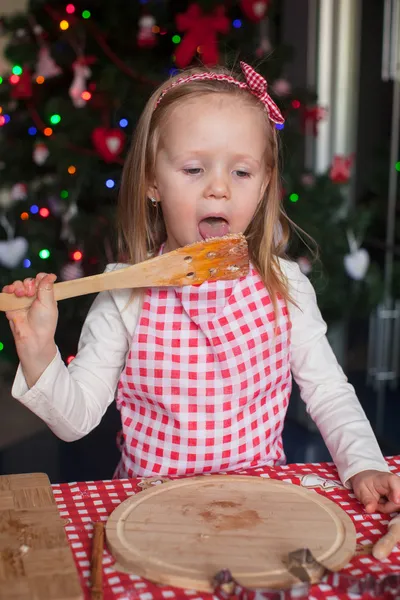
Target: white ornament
{"points": [[357, 261], [78, 85], [19, 191], [12, 252], [40, 153], [46, 66], [113, 144], [146, 36]]}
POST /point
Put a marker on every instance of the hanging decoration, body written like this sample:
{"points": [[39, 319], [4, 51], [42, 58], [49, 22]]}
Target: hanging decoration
{"points": [[264, 44], [109, 143], [66, 229], [40, 153], [19, 191], [200, 35], [341, 168], [254, 10], [281, 87], [146, 37], [12, 252], [311, 116], [356, 263], [22, 89], [79, 82], [46, 66]]}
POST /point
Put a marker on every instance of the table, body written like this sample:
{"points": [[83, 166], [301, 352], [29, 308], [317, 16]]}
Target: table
{"points": [[82, 503]]}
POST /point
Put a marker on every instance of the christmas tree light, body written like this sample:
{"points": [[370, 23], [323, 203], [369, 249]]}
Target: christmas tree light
{"points": [[77, 255]]}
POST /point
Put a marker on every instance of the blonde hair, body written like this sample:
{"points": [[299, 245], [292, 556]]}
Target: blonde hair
{"points": [[141, 226]]}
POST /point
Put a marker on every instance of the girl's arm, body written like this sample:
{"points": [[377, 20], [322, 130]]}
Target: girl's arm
{"points": [[72, 400], [331, 401]]}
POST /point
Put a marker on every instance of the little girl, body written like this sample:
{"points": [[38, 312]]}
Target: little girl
{"points": [[201, 374]]}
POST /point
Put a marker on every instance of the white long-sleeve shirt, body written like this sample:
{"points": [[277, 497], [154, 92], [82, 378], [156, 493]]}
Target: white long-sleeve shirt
{"points": [[73, 399]]}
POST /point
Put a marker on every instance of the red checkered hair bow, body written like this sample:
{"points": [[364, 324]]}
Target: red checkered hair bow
{"points": [[255, 84]]}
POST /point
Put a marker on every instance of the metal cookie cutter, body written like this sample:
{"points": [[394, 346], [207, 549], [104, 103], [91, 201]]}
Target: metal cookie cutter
{"points": [[302, 565]]}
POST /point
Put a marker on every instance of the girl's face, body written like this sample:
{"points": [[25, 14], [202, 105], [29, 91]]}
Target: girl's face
{"points": [[210, 172]]}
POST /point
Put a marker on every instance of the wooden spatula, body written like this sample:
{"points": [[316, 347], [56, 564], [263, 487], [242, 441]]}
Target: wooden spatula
{"points": [[217, 258]]}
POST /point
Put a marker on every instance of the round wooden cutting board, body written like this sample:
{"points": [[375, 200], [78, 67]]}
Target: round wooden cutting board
{"points": [[183, 532]]}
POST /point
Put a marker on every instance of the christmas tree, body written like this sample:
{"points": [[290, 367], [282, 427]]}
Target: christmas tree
{"points": [[79, 76]]}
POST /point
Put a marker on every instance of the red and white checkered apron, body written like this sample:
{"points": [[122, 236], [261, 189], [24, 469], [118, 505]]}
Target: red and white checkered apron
{"points": [[206, 383]]}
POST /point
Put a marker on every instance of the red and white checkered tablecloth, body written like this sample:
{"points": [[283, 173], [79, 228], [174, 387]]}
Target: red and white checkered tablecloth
{"points": [[85, 502]]}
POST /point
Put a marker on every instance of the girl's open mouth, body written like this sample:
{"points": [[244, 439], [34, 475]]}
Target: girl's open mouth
{"points": [[213, 227]]}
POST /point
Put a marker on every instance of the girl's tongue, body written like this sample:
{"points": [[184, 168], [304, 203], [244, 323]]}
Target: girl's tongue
{"points": [[213, 227]]}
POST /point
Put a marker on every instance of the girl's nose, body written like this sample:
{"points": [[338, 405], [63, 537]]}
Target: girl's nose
{"points": [[218, 187]]}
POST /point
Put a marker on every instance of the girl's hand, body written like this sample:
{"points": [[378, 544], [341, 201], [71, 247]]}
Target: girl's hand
{"points": [[377, 490], [34, 327]]}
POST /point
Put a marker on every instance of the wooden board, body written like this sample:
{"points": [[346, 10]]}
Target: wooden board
{"points": [[36, 562], [183, 532]]}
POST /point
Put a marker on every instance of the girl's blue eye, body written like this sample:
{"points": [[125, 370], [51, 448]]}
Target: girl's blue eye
{"points": [[193, 171], [242, 174]]}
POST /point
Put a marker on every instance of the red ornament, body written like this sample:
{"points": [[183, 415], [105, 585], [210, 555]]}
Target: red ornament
{"points": [[109, 143], [311, 115], [201, 32], [340, 169], [22, 89], [255, 10]]}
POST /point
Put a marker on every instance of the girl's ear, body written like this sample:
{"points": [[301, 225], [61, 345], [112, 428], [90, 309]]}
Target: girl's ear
{"points": [[152, 192]]}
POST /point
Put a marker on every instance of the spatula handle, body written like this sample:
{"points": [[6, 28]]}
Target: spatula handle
{"points": [[76, 287]]}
